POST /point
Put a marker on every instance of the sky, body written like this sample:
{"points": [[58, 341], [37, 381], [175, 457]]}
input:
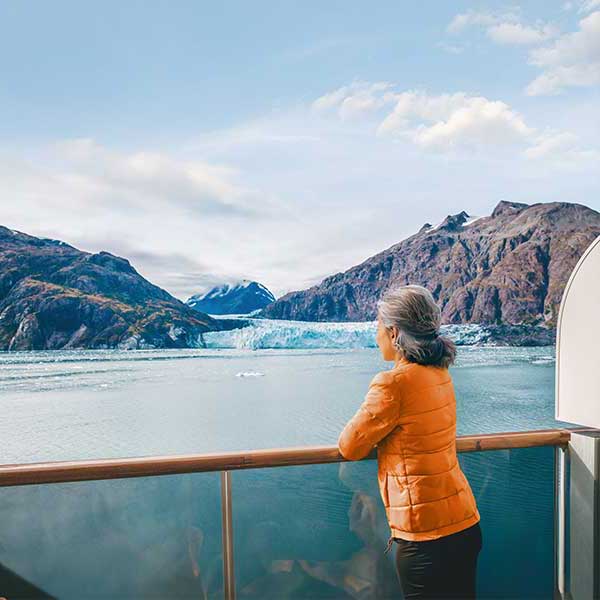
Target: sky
{"points": [[285, 141]]}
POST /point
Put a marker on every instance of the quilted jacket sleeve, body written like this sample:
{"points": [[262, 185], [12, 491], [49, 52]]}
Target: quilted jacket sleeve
{"points": [[376, 417]]}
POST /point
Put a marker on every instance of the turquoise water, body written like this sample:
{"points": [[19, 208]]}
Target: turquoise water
{"points": [[299, 532], [93, 404]]}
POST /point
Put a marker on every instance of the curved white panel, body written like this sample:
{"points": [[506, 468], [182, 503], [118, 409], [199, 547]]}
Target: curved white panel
{"points": [[578, 344]]}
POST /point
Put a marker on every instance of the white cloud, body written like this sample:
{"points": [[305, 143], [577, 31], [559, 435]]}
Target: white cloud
{"points": [[588, 5], [573, 60], [458, 123], [548, 144], [503, 28], [478, 19], [479, 122], [564, 149], [518, 34], [440, 122], [582, 6], [146, 177], [355, 99]]}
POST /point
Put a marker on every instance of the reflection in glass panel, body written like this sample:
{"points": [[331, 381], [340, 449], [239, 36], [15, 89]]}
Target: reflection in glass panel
{"points": [[154, 537], [515, 495], [319, 531], [315, 531]]}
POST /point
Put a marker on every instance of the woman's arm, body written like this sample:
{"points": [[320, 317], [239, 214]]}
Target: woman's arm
{"points": [[376, 417]]}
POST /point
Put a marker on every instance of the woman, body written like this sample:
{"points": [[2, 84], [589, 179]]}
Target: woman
{"points": [[409, 412]]}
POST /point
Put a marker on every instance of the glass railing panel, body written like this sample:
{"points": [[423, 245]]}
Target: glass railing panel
{"points": [[316, 531], [151, 537], [319, 531], [515, 495]]}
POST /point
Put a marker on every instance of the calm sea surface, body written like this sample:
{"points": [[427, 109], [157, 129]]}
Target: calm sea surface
{"points": [[313, 531], [92, 404]]}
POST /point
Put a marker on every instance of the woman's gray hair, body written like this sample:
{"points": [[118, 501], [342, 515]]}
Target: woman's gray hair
{"points": [[414, 311]]}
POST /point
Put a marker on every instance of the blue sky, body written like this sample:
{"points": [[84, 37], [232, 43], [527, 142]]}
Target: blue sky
{"points": [[286, 141]]}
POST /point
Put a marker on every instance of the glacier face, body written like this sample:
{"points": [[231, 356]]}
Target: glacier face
{"points": [[280, 334]]}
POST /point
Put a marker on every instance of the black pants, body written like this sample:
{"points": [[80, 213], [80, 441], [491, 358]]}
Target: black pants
{"points": [[441, 568]]}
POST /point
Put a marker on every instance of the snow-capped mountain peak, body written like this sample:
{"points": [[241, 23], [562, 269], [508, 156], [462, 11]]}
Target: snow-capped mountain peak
{"points": [[238, 297]]}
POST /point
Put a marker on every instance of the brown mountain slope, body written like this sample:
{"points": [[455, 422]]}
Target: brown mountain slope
{"points": [[55, 296], [508, 268]]}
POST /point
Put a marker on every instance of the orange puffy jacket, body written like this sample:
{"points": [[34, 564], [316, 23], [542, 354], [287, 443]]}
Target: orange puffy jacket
{"points": [[409, 412]]}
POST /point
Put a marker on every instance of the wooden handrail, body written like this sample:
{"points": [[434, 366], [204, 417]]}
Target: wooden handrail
{"points": [[148, 466]]}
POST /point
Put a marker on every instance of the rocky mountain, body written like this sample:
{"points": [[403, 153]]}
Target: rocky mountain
{"points": [[53, 295], [240, 298], [507, 268]]}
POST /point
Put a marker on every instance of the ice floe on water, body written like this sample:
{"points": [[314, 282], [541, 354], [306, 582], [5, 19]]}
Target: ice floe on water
{"points": [[543, 360], [250, 374]]}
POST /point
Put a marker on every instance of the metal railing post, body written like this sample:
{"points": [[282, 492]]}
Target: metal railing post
{"points": [[227, 537], [560, 495]]}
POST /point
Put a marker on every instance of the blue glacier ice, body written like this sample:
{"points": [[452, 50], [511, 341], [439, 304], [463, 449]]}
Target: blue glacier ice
{"points": [[270, 333]]}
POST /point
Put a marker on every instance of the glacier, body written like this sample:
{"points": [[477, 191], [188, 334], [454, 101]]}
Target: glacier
{"points": [[260, 333]]}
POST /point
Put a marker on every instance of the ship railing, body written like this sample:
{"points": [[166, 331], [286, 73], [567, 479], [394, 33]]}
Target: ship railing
{"points": [[224, 464]]}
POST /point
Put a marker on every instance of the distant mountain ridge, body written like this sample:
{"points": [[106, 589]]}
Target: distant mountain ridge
{"points": [[242, 297], [506, 271], [53, 295], [508, 268]]}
